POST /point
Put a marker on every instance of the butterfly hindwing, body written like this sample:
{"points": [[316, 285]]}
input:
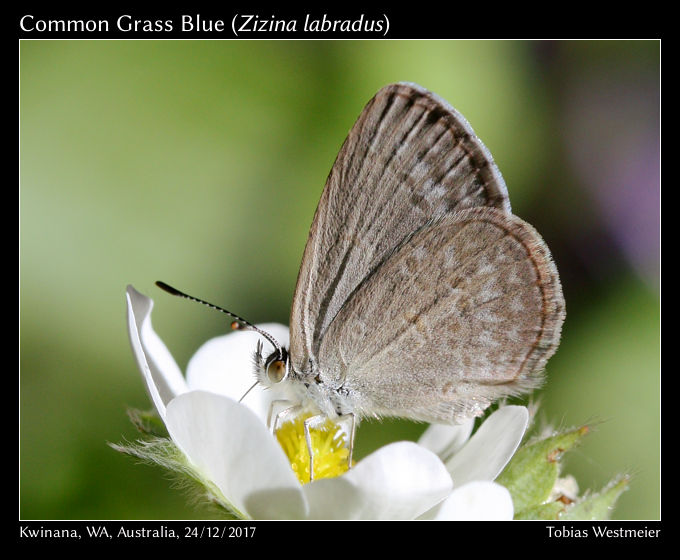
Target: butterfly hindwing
{"points": [[467, 310]]}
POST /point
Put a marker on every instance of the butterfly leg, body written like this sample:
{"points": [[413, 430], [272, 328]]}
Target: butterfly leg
{"points": [[309, 423], [283, 413], [352, 432]]}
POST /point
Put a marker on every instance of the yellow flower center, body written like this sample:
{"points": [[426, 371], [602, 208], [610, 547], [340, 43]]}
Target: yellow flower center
{"points": [[328, 447]]}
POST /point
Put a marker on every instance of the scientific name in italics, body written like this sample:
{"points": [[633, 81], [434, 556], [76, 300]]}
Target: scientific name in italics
{"points": [[252, 23]]}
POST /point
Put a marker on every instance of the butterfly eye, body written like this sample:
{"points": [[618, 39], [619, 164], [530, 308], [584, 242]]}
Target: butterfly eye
{"points": [[276, 371]]}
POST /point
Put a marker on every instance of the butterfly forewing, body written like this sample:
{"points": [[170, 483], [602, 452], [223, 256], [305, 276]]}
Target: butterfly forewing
{"points": [[467, 310], [410, 158]]}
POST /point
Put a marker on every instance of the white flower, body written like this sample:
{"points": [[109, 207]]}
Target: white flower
{"points": [[230, 446]]}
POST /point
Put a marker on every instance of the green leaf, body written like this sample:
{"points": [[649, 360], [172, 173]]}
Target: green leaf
{"points": [[531, 474], [551, 510], [598, 506]]}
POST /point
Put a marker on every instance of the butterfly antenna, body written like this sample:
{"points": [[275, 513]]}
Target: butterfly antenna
{"points": [[240, 324]]}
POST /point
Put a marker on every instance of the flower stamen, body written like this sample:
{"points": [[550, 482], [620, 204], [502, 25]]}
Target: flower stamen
{"points": [[329, 448]]}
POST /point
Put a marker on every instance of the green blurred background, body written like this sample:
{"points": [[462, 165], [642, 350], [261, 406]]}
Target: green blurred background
{"points": [[201, 163]]}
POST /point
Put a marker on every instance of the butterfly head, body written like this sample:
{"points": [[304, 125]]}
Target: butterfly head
{"points": [[272, 369]]}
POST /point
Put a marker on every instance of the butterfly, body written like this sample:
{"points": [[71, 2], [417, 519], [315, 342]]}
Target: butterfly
{"points": [[420, 295]]}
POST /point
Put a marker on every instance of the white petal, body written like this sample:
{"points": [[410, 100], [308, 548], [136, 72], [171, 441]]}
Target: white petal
{"points": [[399, 481], [163, 377], [446, 440], [491, 447], [231, 447], [477, 501], [224, 365]]}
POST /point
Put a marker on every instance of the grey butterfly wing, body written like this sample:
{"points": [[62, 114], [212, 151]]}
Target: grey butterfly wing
{"points": [[467, 310], [409, 158]]}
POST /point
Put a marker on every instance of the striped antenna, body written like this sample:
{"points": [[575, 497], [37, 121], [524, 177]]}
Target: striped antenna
{"points": [[239, 324]]}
